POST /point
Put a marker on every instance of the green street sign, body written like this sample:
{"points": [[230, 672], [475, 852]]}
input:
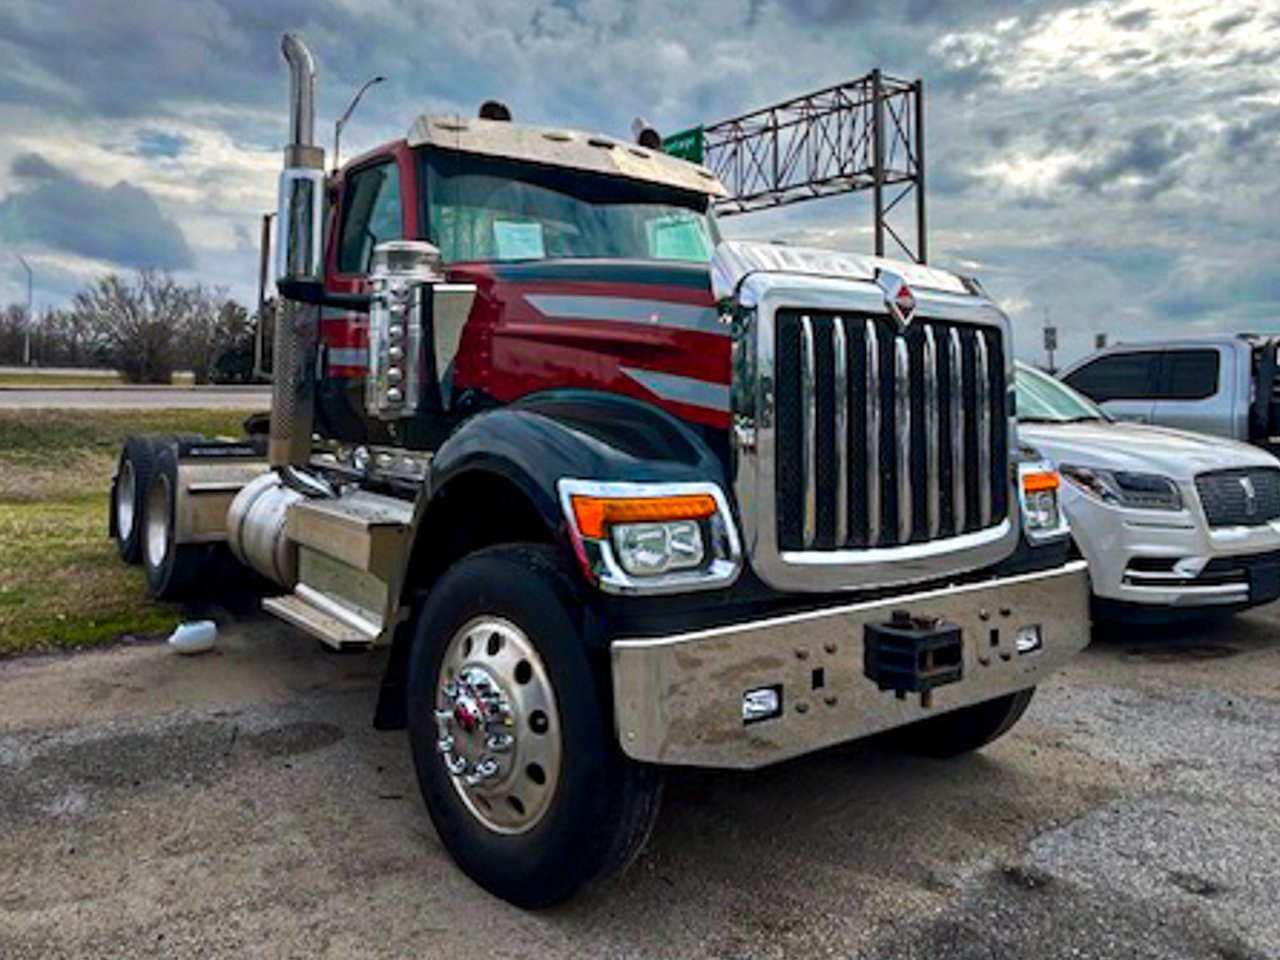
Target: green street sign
{"points": [[687, 144]]}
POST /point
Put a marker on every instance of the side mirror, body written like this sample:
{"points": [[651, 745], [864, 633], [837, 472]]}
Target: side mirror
{"points": [[300, 220]]}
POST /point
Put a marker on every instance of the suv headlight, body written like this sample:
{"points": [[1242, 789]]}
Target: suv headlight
{"points": [[1143, 491], [1042, 517], [652, 537]]}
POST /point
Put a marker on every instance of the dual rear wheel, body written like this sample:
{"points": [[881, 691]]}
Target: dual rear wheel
{"points": [[143, 510]]}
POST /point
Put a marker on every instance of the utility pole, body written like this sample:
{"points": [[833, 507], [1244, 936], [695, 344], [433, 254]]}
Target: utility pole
{"points": [[26, 326]]}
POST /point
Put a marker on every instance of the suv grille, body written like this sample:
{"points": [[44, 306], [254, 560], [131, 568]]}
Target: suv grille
{"points": [[887, 437], [1247, 497]]}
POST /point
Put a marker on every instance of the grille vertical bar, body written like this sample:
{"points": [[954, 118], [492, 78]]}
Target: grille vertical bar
{"points": [[902, 434], [956, 356], [872, 352], [933, 497], [841, 400], [982, 412], [809, 414]]}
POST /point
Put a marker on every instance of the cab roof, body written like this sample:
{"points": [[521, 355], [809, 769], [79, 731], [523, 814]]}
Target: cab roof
{"points": [[558, 147]]}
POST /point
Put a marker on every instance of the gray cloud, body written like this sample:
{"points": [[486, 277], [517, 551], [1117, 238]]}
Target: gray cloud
{"points": [[121, 225], [1147, 158]]}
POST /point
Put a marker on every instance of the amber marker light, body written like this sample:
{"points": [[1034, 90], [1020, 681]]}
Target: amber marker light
{"points": [[1040, 480], [596, 514]]}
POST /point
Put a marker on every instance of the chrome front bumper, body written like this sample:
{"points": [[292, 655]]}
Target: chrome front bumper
{"points": [[678, 699]]}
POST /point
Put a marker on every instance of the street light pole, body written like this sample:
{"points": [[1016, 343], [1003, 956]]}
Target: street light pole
{"points": [[26, 327], [346, 114]]}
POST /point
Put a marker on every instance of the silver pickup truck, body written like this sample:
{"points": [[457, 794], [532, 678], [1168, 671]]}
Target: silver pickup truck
{"points": [[1224, 385]]}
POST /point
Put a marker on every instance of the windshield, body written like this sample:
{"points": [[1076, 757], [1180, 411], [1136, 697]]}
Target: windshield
{"points": [[1042, 399], [487, 208]]}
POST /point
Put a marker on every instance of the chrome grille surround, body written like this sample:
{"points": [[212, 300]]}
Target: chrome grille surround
{"points": [[897, 557]]}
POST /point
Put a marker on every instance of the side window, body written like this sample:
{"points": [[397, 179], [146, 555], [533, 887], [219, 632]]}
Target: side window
{"points": [[1118, 376], [370, 215], [1189, 375]]}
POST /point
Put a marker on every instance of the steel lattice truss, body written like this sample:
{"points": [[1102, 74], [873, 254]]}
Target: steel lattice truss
{"points": [[867, 134]]}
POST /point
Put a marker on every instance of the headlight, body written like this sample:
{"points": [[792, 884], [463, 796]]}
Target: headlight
{"points": [[652, 537], [647, 549], [1042, 519], [1143, 491]]}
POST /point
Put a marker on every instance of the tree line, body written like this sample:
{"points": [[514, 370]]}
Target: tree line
{"points": [[146, 326]]}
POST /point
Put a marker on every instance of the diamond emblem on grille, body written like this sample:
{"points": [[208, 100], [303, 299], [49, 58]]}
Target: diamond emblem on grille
{"points": [[898, 297]]}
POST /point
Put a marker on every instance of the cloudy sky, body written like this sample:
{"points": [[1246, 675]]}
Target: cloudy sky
{"points": [[1113, 162]]}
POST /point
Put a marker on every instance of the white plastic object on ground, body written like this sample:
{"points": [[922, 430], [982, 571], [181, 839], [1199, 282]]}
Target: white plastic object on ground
{"points": [[198, 636]]}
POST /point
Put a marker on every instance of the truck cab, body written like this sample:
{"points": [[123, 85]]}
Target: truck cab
{"points": [[588, 256], [617, 495]]}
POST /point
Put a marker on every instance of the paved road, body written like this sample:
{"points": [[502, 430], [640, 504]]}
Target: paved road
{"points": [[135, 398], [239, 804]]}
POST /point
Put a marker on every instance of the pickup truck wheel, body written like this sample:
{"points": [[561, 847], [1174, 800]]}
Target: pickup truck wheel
{"points": [[510, 734], [128, 495], [964, 730], [174, 570]]}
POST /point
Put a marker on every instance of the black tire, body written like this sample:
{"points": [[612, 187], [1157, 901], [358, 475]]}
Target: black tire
{"points": [[603, 806], [964, 730], [174, 571], [129, 495]]}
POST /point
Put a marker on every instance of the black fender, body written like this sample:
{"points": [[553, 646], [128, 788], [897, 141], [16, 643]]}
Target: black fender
{"points": [[584, 434], [516, 455]]}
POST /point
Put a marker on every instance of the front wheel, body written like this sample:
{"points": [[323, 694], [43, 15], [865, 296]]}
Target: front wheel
{"points": [[964, 730], [510, 733]]}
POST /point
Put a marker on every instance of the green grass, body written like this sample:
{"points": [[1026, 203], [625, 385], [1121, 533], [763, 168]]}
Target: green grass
{"points": [[62, 584]]}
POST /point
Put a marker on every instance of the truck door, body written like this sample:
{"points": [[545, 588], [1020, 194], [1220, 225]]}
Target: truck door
{"points": [[1122, 382], [370, 210], [1196, 391]]}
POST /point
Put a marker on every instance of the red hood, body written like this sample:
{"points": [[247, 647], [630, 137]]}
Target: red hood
{"points": [[646, 329]]}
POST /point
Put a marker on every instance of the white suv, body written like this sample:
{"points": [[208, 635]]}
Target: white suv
{"points": [[1171, 522]]}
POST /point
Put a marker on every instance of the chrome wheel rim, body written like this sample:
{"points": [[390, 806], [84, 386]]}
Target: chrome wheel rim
{"points": [[158, 522], [498, 729], [126, 492]]}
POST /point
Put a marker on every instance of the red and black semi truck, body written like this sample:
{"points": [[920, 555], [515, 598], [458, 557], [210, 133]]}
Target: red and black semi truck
{"points": [[616, 494]]}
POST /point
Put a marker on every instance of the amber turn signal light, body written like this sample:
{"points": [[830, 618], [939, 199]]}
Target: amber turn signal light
{"points": [[596, 514], [1034, 482]]}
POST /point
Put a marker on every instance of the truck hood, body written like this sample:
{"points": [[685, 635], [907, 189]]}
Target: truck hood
{"points": [[1177, 454], [645, 329]]}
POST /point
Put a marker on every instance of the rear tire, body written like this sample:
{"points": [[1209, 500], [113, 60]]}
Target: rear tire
{"points": [[964, 730], [129, 495], [174, 570], [498, 652]]}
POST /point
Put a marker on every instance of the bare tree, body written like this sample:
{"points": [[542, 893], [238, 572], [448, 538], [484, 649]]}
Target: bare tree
{"points": [[137, 322]]}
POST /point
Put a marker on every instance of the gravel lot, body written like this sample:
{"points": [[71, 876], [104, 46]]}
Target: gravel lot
{"points": [[239, 804]]}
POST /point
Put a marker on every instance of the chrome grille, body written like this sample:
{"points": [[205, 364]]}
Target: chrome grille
{"points": [[1249, 496], [886, 436]]}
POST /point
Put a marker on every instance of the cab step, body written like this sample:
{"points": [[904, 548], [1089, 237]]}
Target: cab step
{"points": [[324, 626]]}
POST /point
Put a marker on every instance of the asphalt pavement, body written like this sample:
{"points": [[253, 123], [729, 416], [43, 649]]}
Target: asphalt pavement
{"points": [[239, 804], [135, 398]]}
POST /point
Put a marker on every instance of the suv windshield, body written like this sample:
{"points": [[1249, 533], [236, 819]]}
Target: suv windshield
{"points": [[488, 208], [1042, 399]]}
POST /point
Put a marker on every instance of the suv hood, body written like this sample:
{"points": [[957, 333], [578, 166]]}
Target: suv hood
{"points": [[1177, 454]]}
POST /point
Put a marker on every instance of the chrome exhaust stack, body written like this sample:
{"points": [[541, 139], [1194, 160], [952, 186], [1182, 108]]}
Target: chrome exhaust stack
{"points": [[300, 259]]}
